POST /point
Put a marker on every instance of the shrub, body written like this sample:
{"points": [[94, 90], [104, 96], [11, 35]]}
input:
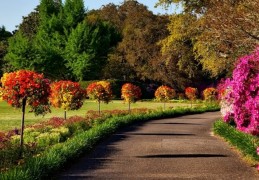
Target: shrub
{"points": [[210, 94], [243, 94]]}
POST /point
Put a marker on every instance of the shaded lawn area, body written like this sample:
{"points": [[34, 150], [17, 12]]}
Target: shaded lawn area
{"points": [[10, 117]]}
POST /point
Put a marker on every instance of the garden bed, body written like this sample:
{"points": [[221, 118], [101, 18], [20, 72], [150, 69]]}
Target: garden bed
{"points": [[42, 165]]}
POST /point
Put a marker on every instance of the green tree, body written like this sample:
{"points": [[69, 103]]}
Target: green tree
{"points": [[74, 12], [4, 36], [87, 48], [228, 30], [137, 53]]}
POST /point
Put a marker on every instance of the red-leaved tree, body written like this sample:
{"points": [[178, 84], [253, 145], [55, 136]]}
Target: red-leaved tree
{"points": [[130, 93], [100, 91], [191, 93], [67, 95], [23, 88]]}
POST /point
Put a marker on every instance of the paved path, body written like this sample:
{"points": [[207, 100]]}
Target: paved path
{"points": [[177, 148]]}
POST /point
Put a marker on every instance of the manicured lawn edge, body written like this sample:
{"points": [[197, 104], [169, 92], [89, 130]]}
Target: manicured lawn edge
{"points": [[246, 144], [55, 158]]}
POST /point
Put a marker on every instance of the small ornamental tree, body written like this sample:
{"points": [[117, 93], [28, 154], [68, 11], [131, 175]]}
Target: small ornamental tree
{"points": [[210, 94], [67, 95], [164, 94], [100, 91], [130, 93], [23, 88], [191, 93]]}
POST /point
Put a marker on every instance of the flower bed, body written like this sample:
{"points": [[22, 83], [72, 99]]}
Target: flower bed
{"points": [[54, 157]]}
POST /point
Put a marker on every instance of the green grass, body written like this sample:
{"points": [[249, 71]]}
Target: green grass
{"points": [[10, 117], [246, 144]]}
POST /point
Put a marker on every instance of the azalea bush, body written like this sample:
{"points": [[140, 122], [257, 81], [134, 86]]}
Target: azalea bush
{"points": [[164, 94], [130, 93], [100, 91], [210, 94], [67, 95], [226, 99], [242, 93], [23, 88]]}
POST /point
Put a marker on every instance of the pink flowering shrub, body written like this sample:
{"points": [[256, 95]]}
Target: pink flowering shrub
{"points": [[226, 98], [244, 93]]}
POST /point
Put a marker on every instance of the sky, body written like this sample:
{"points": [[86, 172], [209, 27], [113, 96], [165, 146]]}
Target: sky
{"points": [[12, 11]]}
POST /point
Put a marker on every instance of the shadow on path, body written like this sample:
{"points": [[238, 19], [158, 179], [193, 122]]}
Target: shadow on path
{"points": [[182, 156]]}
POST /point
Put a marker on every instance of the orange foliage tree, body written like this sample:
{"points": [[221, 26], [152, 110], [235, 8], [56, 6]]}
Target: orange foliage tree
{"points": [[67, 95], [191, 93], [130, 93], [100, 91], [23, 88], [210, 94], [164, 94]]}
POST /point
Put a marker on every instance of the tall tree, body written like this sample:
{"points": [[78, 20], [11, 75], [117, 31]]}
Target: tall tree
{"points": [[4, 36], [138, 50], [87, 48], [228, 30]]}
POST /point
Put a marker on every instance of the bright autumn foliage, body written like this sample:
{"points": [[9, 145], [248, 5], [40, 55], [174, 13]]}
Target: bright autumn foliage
{"points": [[191, 93], [100, 91], [67, 95], [1, 94], [210, 94], [26, 85], [164, 93], [130, 93]]}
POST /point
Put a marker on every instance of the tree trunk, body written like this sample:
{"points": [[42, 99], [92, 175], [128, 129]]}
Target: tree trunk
{"points": [[65, 114], [99, 107], [129, 107], [22, 126]]}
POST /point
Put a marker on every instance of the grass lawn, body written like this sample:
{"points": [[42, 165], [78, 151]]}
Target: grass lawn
{"points": [[10, 117]]}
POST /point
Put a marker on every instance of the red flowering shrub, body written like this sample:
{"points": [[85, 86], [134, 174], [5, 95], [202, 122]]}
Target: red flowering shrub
{"points": [[28, 85], [191, 93]]}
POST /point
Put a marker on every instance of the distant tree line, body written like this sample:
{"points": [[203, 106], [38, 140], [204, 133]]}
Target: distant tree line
{"points": [[129, 43]]}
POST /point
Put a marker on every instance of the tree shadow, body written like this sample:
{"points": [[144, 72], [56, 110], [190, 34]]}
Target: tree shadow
{"points": [[182, 156], [160, 134], [179, 123]]}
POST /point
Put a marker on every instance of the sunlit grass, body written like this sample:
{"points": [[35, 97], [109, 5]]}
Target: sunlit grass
{"points": [[10, 117]]}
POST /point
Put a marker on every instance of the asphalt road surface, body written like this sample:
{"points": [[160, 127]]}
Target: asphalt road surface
{"points": [[176, 148]]}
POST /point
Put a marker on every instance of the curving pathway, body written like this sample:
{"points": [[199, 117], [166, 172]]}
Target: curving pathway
{"points": [[176, 148]]}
